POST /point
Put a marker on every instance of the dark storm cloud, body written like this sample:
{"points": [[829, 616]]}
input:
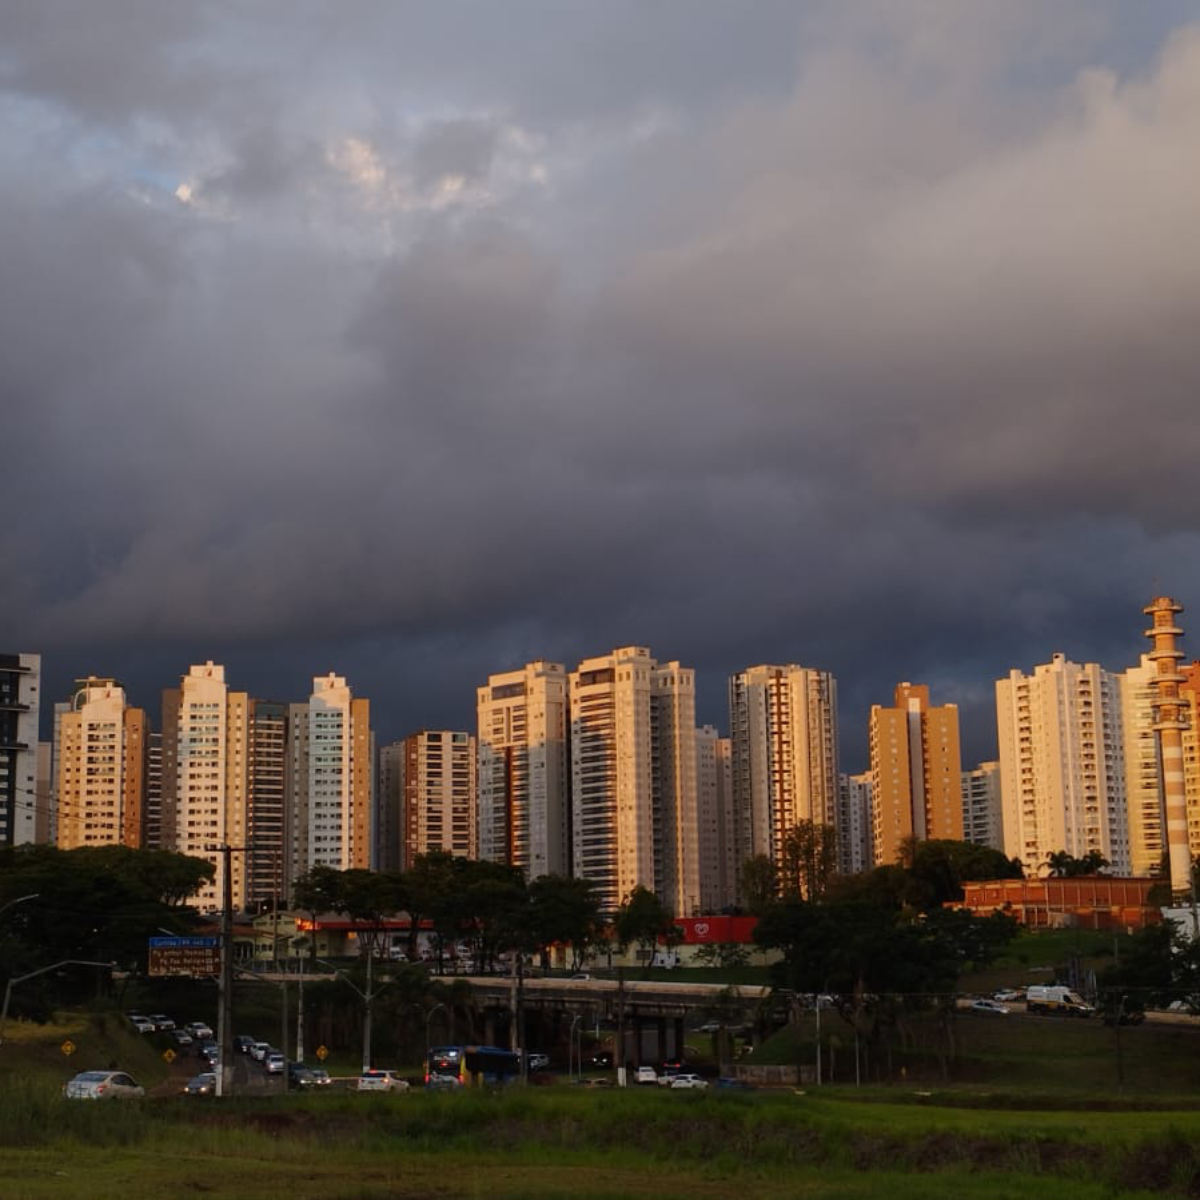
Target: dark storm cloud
{"points": [[422, 340]]}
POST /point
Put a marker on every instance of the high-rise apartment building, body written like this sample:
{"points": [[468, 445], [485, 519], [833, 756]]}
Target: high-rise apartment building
{"points": [[854, 828], [152, 813], [633, 777], [1062, 764], [331, 779], [1143, 776], [783, 729], [267, 830], [23, 811], [983, 820], [437, 802], [1189, 694], [204, 776], [714, 807], [100, 756], [523, 769], [916, 772]]}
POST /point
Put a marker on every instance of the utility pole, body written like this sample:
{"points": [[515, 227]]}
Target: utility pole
{"points": [[300, 1018], [225, 1001]]}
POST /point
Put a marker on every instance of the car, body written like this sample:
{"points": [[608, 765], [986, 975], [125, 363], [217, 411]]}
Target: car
{"points": [[162, 1022], [199, 1030], [988, 1008], [376, 1080], [646, 1075], [243, 1043], [669, 1071], [259, 1051], [688, 1081], [103, 1085], [1008, 995], [299, 1077], [435, 1082], [181, 1037], [602, 1058], [539, 1062], [142, 1024], [728, 1083], [320, 1077], [275, 1063], [710, 1027], [204, 1084]]}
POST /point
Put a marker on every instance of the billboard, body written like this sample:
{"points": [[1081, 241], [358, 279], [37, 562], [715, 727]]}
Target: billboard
{"points": [[185, 956]]}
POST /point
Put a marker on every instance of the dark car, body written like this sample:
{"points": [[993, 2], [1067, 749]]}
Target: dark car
{"points": [[242, 1043], [602, 1058]]}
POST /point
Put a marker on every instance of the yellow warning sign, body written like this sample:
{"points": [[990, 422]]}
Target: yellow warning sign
{"points": [[68, 1047], [168, 1055], [322, 1053]]}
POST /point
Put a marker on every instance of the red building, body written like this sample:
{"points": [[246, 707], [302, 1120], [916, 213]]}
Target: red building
{"points": [[1089, 901]]}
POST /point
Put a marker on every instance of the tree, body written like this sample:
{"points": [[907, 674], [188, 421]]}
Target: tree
{"points": [[1066, 865], [644, 919], [760, 883], [566, 911], [808, 859], [317, 891], [368, 898], [937, 868]]}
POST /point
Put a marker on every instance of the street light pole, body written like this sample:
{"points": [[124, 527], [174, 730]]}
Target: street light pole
{"points": [[428, 1018], [66, 962], [19, 900]]}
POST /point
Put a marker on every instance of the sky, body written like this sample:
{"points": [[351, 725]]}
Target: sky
{"points": [[414, 341]]}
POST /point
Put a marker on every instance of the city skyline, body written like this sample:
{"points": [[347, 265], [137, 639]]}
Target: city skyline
{"points": [[418, 342]]}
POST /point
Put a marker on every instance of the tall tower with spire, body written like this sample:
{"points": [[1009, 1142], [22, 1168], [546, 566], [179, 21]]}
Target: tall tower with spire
{"points": [[1169, 725]]}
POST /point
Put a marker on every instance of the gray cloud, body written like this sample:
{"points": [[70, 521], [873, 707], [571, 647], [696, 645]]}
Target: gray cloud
{"points": [[461, 335]]}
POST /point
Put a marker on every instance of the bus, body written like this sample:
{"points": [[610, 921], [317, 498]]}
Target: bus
{"points": [[471, 1066]]}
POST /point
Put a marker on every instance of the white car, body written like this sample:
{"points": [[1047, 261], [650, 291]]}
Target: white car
{"points": [[259, 1051], [162, 1022], [275, 1063], [199, 1030], [688, 1081], [646, 1075], [103, 1085], [376, 1080], [988, 1008], [142, 1024]]}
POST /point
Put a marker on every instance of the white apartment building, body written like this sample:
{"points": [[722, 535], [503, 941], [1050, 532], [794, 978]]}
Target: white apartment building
{"points": [[854, 824], [783, 725], [523, 775], [633, 778], [1062, 764], [25, 813], [331, 779], [714, 806], [100, 753], [983, 816]]}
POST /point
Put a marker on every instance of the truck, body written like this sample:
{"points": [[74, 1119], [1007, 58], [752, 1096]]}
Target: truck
{"points": [[1056, 1000]]}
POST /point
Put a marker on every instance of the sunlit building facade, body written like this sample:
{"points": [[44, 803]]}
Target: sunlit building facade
{"points": [[101, 747], [523, 770], [24, 813], [784, 734]]}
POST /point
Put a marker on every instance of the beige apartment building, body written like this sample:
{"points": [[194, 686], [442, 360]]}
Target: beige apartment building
{"points": [[633, 777], [916, 772], [437, 809], [1062, 764], [1143, 775], [783, 729], [523, 772], [100, 758], [203, 776], [1189, 692]]}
